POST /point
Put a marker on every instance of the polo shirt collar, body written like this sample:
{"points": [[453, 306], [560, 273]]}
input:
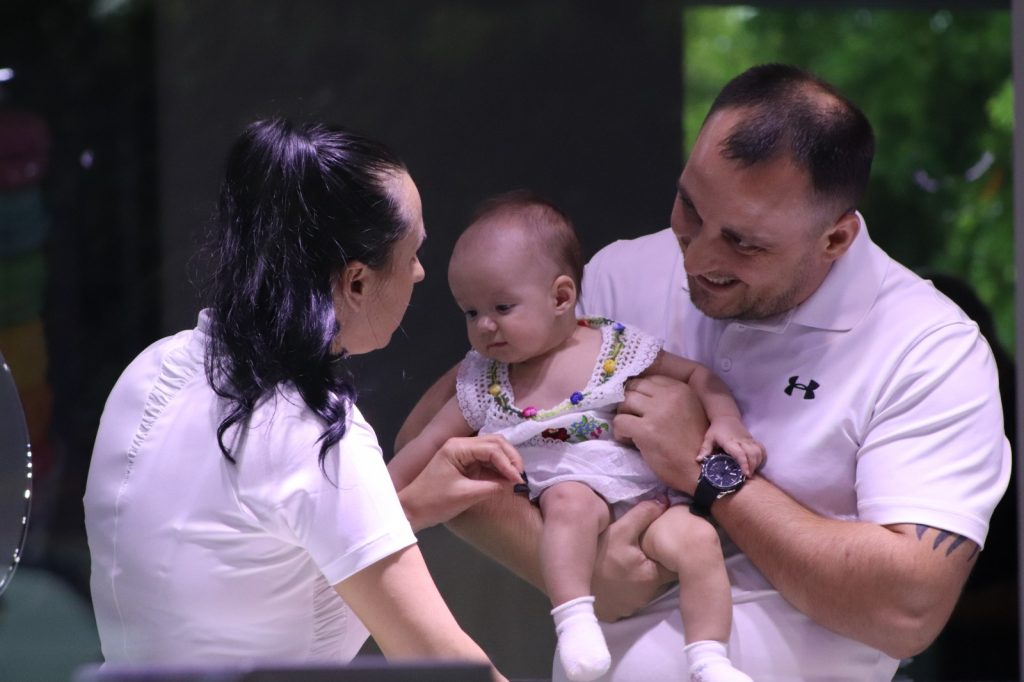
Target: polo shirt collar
{"points": [[849, 289]]}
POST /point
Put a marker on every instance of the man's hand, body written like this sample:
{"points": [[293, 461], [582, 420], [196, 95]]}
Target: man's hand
{"points": [[665, 420], [625, 579], [463, 472]]}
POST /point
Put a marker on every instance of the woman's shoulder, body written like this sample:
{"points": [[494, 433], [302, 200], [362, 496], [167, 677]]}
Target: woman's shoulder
{"points": [[283, 439], [170, 362]]}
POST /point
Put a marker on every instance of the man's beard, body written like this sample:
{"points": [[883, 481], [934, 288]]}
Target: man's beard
{"points": [[746, 307]]}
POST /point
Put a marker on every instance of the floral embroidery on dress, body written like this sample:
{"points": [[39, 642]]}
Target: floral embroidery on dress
{"points": [[608, 364], [584, 429], [587, 428], [556, 434]]}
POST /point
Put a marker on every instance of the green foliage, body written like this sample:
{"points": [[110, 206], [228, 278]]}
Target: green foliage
{"points": [[937, 88]]}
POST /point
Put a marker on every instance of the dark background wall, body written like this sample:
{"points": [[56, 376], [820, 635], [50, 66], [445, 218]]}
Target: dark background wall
{"points": [[580, 101]]}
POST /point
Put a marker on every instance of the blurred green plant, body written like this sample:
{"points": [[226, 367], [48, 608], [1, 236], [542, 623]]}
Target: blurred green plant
{"points": [[937, 88]]}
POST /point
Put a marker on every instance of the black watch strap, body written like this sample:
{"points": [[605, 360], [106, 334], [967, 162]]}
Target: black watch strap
{"points": [[703, 497]]}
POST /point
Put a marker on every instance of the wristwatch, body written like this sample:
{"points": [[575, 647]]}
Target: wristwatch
{"points": [[720, 475]]}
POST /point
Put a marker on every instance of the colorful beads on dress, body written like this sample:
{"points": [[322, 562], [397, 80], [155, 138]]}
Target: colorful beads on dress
{"points": [[608, 365]]}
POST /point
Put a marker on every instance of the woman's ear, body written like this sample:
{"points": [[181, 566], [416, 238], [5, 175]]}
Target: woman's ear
{"points": [[350, 287], [563, 289]]}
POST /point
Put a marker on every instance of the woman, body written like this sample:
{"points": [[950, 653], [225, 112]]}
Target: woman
{"points": [[235, 490]]}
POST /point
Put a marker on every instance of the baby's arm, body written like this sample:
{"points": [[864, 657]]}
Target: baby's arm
{"points": [[726, 426], [413, 457]]}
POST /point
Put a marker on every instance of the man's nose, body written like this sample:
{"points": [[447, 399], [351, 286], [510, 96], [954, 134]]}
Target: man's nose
{"points": [[698, 250]]}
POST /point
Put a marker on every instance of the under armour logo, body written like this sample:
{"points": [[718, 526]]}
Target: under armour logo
{"points": [[807, 388]]}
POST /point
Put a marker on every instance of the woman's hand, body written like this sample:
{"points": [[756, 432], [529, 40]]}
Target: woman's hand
{"points": [[461, 473]]}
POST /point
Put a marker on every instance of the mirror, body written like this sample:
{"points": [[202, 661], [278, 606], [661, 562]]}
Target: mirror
{"points": [[15, 477]]}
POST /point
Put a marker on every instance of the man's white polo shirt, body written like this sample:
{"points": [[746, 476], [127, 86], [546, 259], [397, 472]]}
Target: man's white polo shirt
{"points": [[877, 399]]}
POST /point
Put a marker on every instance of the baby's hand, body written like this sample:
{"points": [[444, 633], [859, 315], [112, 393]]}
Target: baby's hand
{"points": [[731, 435]]}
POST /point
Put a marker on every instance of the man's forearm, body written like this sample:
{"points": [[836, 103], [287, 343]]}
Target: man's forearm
{"points": [[506, 528], [891, 588]]}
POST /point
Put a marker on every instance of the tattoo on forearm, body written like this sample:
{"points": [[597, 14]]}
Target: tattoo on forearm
{"points": [[941, 536]]}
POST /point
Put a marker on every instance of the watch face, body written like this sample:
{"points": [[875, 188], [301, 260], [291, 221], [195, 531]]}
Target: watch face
{"points": [[723, 472]]}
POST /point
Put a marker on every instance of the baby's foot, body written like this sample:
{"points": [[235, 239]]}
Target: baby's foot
{"points": [[581, 646], [709, 662], [718, 671]]}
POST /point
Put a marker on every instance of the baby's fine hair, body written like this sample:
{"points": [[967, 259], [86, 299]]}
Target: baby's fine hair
{"points": [[555, 235]]}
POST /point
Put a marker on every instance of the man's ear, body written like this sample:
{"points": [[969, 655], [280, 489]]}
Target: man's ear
{"points": [[563, 289], [350, 286], [840, 236]]}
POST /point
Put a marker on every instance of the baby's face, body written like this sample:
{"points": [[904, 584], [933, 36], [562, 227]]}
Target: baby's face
{"points": [[508, 299]]}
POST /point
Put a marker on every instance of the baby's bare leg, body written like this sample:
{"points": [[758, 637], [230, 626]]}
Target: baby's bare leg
{"points": [[574, 515], [688, 545]]}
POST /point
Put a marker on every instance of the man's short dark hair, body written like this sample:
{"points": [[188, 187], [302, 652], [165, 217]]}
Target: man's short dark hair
{"points": [[794, 112]]}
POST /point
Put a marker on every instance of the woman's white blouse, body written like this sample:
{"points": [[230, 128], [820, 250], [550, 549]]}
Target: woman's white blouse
{"points": [[198, 559]]}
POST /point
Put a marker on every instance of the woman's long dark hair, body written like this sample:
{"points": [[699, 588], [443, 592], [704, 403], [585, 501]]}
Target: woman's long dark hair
{"points": [[298, 202]]}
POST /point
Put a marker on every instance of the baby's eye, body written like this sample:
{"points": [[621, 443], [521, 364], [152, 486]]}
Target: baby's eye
{"points": [[504, 307], [470, 314]]}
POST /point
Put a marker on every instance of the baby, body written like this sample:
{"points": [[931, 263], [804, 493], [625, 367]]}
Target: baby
{"points": [[550, 384]]}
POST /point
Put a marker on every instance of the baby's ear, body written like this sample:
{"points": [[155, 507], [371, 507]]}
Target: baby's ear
{"points": [[564, 291]]}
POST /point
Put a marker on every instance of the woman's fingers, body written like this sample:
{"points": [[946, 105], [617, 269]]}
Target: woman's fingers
{"points": [[491, 451]]}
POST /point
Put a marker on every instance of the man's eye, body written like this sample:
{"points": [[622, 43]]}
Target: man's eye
{"points": [[743, 246]]}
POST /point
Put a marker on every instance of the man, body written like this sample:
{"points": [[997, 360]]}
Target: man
{"points": [[875, 397]]}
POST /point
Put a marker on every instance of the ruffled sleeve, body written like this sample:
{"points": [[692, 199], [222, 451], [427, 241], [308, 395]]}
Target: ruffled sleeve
{"points": [[637, 352], [640, 350], [471, 389]]}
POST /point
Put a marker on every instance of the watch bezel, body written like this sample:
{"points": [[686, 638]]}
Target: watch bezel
{"points": [[712, 473], [709, 491]]}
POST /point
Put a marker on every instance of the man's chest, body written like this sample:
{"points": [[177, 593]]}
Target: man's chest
{"points": [[803, 395]]}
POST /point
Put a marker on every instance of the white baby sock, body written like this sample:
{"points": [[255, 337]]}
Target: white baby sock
{"points": [[581, 645], [709, 662]]}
